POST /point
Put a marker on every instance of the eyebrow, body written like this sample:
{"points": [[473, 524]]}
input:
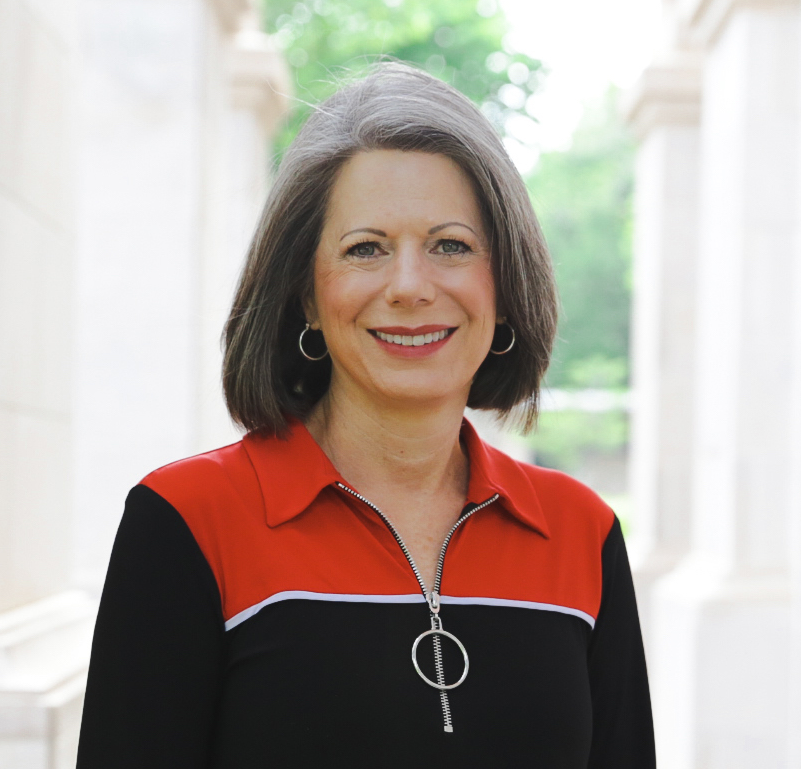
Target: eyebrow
{"points": [[383, 234], [380, 233]]}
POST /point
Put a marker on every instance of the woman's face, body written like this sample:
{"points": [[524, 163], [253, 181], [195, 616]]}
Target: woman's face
{"points": [[403, 287]]}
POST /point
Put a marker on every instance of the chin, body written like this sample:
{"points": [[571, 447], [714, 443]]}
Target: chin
{"points": [[420, 393]]}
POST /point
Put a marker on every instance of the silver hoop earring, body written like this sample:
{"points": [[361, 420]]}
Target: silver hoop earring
{"points": [[303, 352], [511, 344]]}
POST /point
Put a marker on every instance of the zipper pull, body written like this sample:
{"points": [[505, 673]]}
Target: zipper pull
{"points": [[433, 606]]}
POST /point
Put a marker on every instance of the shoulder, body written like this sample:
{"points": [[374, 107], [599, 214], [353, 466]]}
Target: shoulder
{"points": [[568, 506], [563, 566], [554, 503], [197, 485], [561, 490], [568, 502]]}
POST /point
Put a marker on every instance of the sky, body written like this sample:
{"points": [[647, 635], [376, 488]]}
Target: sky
{"points": [[585, 45]]}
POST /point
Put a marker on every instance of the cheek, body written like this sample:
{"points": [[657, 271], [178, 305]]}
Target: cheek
{"points": [[340, 296], [489, 291], [479, 292], [329, 290]]}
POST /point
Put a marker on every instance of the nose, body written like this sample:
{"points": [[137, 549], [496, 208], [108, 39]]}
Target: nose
{"points": [[410, 280]]}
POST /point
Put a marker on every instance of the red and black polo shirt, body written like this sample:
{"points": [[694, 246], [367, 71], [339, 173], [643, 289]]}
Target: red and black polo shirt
{"points": [[258, 613]]}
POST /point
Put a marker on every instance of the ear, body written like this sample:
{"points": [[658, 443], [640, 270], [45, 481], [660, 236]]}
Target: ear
{"points": [[500, 320], [310, 311]]}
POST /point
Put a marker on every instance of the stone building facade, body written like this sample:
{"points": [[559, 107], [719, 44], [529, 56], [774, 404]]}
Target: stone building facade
{"points": [[717, 359], [133, 150]]}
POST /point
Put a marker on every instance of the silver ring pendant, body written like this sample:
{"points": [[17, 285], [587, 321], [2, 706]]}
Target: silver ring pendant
{"points": [[441, 687]]}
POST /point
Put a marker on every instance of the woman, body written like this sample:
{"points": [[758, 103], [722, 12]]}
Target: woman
{"points": [[361, 581]]}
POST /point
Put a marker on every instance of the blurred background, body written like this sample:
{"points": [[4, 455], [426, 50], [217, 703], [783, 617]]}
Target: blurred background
{"points": [[660, 143]]}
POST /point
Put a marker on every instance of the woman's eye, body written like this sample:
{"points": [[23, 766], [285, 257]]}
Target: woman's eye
{"points": [[363, 249], [453, 247]]}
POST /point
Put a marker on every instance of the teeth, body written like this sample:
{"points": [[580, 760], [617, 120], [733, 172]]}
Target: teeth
{"points": [[412, 341]]}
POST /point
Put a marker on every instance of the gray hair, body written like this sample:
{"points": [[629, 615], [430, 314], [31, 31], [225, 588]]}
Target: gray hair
{"points": [[265, 378]]}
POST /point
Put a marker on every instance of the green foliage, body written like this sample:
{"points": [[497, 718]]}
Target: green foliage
{"points": [[460, 41], [583, 197], [597, 371], [564, 439]]}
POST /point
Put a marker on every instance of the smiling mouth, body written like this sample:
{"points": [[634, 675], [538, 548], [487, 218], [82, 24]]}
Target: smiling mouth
{"points": [[419, 340]]}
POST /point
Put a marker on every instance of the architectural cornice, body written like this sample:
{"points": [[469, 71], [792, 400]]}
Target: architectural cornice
{"points": [[667, 93], [259, 77], [702, 20], [230, 12]]}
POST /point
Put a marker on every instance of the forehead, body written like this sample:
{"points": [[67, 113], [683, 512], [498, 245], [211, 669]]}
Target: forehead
{"points": [[396, 185]]}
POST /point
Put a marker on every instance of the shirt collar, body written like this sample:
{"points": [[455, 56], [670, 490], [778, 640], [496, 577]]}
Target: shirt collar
{"points": [[293, 470], [493, 472]]}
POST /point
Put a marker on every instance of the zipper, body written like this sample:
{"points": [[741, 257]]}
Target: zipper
{"points": [[433, 601]]}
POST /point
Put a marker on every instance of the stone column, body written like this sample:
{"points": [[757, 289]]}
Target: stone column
{"points": [[116, 198], [794, 350], [720, 628], [664, 110], [44, 626], [156, 257], [794, 734], [139, 232], [256, 96]]}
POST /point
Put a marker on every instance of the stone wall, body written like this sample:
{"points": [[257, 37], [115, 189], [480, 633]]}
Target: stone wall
{"points": [[133, 154]]}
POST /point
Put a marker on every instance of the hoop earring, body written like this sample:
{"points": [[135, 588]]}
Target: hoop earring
{"points": [[303, 352], [511, 344]]}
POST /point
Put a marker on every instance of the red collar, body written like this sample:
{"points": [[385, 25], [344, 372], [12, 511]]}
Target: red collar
{"points": [[292, 471]]}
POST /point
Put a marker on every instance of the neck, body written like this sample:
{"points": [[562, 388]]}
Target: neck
{"points": [[377, 447]]}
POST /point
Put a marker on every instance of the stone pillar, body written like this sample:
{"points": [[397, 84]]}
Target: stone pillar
{"points": [[794, 350], [139, 198], [720, 629], [117, 195], [794, 734], [255, 99], [44, 627], [664, 111], [156, 260]]}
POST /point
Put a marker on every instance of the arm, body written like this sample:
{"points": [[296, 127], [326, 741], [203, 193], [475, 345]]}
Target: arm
{"points": [[623, 736], [155, 670]]}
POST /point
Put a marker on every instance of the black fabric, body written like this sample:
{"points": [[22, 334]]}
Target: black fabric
{"points": [[310, 683], [156, 665], [622, 724], [319, 683]]}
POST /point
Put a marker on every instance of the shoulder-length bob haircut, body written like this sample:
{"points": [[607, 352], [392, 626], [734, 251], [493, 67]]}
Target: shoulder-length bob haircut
{"points": [[396, 107]]}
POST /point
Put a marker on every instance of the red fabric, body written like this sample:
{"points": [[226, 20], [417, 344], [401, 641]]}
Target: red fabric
{"points": [[268, 518]]}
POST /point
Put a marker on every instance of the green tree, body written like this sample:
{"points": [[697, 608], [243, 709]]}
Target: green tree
{"points": [[583, 197], [460, 41]]}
